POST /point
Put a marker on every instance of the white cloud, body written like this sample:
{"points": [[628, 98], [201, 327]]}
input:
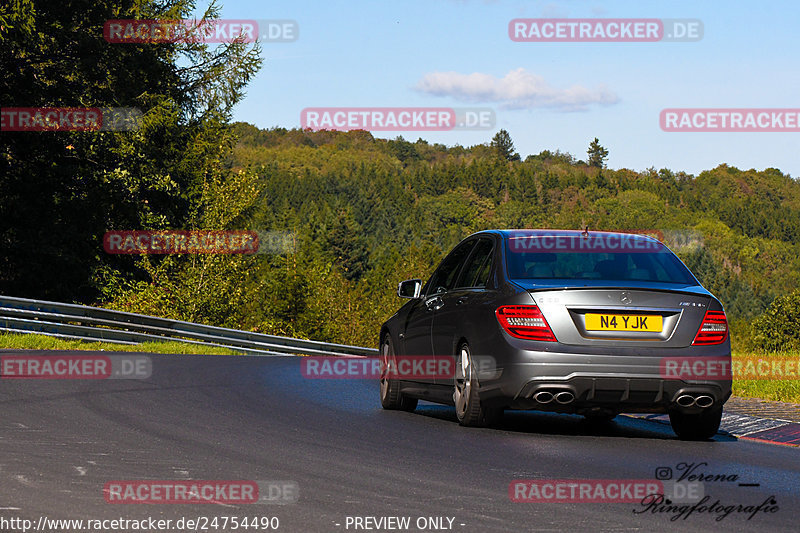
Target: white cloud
{"points": [[519, 89]]}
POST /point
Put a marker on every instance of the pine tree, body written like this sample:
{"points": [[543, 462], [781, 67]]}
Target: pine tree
{"points": [[504, 147], [597, 154]]}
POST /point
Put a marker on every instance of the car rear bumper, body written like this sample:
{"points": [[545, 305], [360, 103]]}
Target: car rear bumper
{"points": [[597, 382]]}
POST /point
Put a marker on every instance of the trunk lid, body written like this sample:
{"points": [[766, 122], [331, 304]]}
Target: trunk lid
{"points": [[631, 316]]}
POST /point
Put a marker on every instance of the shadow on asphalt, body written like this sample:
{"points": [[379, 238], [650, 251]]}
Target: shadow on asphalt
{"points": [[541, 423]]}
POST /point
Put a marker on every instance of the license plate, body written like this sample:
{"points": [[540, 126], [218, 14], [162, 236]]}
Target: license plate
{"points": [[597, 322]]}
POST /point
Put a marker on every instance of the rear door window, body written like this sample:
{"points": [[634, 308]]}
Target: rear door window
{"points": [[478, 266]]}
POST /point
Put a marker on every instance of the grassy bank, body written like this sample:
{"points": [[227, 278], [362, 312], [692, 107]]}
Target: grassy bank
{"points": [[10, 341], [782, 390]]}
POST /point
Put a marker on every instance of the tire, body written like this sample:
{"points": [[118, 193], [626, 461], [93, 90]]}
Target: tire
{"points": [[699, 426], [391, 397], [469, 411]]}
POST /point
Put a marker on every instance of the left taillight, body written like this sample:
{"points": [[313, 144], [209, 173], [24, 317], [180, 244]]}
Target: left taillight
{"points": [[524, 322], [713, 330]]}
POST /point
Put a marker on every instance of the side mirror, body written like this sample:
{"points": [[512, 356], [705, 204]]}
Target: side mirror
{"points": [[409, 288]]}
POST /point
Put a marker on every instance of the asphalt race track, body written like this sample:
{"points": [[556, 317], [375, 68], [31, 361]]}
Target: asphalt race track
{"points": [[257, 418]]}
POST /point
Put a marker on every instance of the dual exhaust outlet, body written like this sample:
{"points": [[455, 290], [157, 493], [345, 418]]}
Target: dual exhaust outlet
{"points": [[703, 401], [562, 397]]}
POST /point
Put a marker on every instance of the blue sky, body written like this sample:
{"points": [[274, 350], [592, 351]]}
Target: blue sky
{"points": [[457, 53]]}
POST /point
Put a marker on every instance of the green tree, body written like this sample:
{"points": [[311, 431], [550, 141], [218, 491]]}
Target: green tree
{"points": [[345, 243], [504, 146], [779, 327], [403, 150], [597, 154], [16, 14], [62, 190]]}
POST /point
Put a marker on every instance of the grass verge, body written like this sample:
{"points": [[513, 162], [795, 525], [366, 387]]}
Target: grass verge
{"points": [[13, 341], [786, 389]]}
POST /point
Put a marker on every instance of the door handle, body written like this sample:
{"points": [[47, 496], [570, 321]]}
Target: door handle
{"points": [[462, 300], [434, 303]]}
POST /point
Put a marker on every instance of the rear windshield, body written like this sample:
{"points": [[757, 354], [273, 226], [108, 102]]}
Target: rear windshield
{"points": [[606, 257]]}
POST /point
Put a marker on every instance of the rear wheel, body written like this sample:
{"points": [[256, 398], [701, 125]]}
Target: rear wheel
{"points": [[469, 410], [391, 397], [696, 426]]}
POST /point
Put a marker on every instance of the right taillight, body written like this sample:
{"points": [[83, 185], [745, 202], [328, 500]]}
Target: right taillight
{"points": [[524, 322], [714, 329]]}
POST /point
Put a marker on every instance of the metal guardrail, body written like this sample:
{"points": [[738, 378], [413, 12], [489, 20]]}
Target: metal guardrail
{"points": [[21, 315]]}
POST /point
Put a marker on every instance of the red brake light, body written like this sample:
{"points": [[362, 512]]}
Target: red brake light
{"points": [[714, 329], [524, 322]]}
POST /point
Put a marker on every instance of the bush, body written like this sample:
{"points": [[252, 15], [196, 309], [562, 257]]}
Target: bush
{"points": [[778, 328]]}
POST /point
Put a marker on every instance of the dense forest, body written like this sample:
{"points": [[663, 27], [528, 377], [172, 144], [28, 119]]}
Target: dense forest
{"points": [[369, 212], [363, 213]]}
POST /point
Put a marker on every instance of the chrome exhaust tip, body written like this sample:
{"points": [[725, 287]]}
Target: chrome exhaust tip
{"points": [[685, 400], [704, 401], [565, 397], [543, 397]]}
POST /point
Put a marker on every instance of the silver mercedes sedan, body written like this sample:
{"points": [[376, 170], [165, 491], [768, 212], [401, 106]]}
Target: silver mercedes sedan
{"points": [[589, 323]]}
